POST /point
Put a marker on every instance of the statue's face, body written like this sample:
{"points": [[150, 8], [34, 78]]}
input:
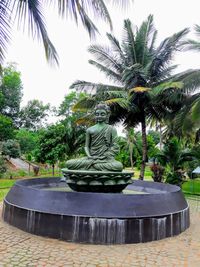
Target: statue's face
{"points": [[101, 115]]}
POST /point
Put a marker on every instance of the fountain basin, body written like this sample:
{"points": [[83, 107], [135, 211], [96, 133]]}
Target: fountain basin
{"points": [[156, 212]]}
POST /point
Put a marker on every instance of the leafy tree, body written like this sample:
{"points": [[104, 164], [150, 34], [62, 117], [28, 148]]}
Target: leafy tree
{"points": [[11, 148], [33, 114], [2, 166], [144, 84], [51, 145], [10, 92], [27, 140], [29, 12], [6, 128], [60, 141]]}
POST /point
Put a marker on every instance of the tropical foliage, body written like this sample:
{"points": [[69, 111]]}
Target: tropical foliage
{"points": [[144, 86], [174, 157], [11, 148], [10, 91], [34, 114]]}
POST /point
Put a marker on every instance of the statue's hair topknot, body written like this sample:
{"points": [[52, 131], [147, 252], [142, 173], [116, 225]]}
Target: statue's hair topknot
{"points": [[102, 106]]}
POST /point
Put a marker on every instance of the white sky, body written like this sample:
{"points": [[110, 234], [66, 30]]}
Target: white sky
{"points": [[51, 84]]}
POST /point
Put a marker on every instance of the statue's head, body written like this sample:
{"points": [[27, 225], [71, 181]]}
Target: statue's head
{"points": [[102, 112]]}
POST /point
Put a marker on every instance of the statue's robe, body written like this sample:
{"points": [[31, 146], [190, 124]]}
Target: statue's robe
{"points": [[102, 144]]}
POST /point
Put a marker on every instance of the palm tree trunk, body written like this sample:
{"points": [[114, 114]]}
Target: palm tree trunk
{"points": [[53, 169], [161, 141], [144, 149], [131, 154]]}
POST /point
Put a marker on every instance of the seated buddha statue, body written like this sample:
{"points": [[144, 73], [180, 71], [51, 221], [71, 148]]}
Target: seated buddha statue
{"points": [[100, 145]]}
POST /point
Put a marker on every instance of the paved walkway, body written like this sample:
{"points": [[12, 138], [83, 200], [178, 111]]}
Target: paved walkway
{"points": [[18, 248]]}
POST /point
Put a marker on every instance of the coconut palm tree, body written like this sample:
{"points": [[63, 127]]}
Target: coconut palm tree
{"points": [[31, 13], [143, 84], [188, 117]]}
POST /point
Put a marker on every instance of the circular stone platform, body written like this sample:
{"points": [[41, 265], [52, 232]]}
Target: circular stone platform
{"points": [[157, 211]]}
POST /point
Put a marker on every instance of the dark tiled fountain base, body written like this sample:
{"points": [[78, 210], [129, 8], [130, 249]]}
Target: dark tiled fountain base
{"points": [[157, 212]]}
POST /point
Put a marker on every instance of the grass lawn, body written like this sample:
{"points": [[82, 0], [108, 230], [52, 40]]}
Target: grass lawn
{"points": [[5, 185], [3, 193], [147, 174], [192, 187]]}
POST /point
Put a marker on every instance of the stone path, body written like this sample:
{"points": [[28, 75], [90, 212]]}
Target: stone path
{"points": [[18, 248]]}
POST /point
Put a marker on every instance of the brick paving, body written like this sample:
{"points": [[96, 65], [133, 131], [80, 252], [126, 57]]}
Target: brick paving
{"points": [[19, 249]]}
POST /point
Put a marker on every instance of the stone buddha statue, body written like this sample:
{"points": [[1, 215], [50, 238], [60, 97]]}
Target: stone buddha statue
{"points": [[100, 146]]}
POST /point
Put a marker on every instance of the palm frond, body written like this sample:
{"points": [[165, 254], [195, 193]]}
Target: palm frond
{"points": [[90, 87], [129, 42], [82, 9], [117, 47], [143, 37], [31, 12], [152, 42], [85, 104], [193, 44], [197, 29], [4, 28], [167, 86], [115, 94], [108, 72], [122, 3], [134, 76], [123, 103], [190, 79], [86, 21], [196, 111], [106, 57], [165, 52]]}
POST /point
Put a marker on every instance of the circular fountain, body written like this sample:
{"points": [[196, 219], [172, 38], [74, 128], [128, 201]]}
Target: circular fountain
{"points": [[108, 207], [144, 211]]}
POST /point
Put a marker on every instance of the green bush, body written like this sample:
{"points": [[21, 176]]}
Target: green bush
{"points": [[2, 167]]}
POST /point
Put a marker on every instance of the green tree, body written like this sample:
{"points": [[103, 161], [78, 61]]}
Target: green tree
{"points": [[27, 140], [6, 128], [30, 13], [60, 141], [10, 92], [2, 166], [145, 86], [11, 148], [34, 114], [51, 145]]}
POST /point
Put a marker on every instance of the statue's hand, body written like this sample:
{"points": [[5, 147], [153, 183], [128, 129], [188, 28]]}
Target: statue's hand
{"points": [[92, 157], [102, 157]]}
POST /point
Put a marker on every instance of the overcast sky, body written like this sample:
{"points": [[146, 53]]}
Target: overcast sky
{"points": [[51, 84]]}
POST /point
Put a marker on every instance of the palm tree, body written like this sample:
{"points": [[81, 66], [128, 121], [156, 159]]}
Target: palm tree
{"points": [[188, 117], [30, 12], [144, 84], [174, 156]]}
